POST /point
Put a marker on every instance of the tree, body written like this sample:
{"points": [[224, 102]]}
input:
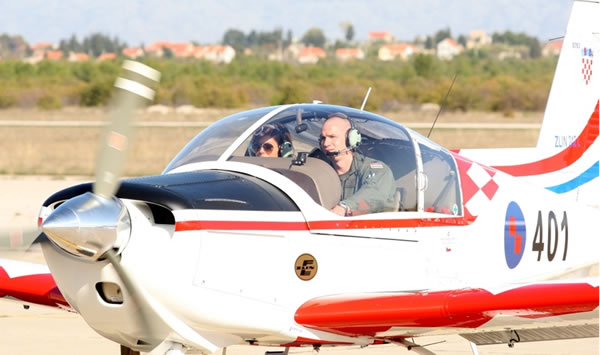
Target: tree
{"points": [[535, 50], [441, 35], [236, 39], [516, 39], [314, 37], [12, 46], [288, 39], [429, 42], [348, 31]]}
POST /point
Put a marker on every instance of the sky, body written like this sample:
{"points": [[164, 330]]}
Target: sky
{"points": [[205, 21]]}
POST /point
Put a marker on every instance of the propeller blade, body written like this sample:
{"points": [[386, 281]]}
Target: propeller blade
{"points": [[133, 91], [19, 239], [136, 296]]}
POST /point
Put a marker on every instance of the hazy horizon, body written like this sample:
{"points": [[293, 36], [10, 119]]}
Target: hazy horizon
{"points": [[205, 21]]}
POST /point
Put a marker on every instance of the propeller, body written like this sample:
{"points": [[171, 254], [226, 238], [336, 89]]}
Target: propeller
{"points": [[96, 225], [133, 91], [91, 224]]}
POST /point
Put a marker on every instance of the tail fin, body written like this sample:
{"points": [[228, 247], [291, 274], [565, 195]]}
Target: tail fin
{"points": [[566, 159], [576, 87]]}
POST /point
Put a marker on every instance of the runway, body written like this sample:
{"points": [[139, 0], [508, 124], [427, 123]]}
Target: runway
{"points": [[41, 330]]}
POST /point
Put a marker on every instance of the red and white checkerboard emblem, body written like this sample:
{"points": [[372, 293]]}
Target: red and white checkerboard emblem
{"points": [[478, 186], [587, 59]]}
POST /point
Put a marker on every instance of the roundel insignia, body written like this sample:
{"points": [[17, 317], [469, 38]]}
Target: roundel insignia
{"points": [[515, 234], [306, 267]]}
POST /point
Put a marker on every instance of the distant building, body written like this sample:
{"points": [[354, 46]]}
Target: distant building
{"points": [[552, 48], [448, 49], [177, 49], [132, 53], [42, 46], [396, 51], [512, 52], [78, 57], [38, 51], [106, 56], [478, 39], [310, 55], [54, 55], [345, 54], [380, 36], [215, 53]]}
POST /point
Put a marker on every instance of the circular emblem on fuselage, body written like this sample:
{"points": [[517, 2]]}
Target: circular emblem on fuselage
{"points": [[515, 233], [306, 267]]}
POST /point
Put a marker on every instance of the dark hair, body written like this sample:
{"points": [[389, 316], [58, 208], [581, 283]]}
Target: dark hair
{"points": [[274, 130]]}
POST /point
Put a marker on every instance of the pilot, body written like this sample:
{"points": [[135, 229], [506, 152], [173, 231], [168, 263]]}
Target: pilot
{"points": [[368, 185], [271, 140]]}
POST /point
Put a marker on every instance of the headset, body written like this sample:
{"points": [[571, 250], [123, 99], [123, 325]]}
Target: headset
{"points": [[353, 136], [286, 149]]}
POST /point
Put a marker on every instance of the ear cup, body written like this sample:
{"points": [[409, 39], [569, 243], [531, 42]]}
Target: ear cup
{"points": [[353, 138], [286, 149]]}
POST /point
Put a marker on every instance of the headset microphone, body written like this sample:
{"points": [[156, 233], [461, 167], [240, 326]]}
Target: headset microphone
{"points": [[337, 152]]}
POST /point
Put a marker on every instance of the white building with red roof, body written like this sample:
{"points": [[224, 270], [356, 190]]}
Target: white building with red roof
{"points": [[310, 55], [215, 53], [396, 51], [345, 54], [552, 48], [132, 53], [54, 55], [177, 49], [448, 49], [106, 56], [380, 36], [78, 57], [38, 51]]}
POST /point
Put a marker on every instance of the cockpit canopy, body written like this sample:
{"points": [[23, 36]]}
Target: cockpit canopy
{"points": [[425, 174]]}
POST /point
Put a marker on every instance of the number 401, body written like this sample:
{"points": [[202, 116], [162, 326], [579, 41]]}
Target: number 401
{"points": [[553, 235]]}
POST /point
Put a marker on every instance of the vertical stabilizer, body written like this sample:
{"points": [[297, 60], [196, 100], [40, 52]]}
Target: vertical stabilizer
{"points": [[576, 87]]}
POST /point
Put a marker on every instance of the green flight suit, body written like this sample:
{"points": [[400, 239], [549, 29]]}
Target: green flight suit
{"points": [[368, 187]]}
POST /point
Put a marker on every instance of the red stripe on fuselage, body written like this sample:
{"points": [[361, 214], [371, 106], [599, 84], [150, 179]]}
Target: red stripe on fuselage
{"points": [[238, 225], [563, 159], [182, 226]]}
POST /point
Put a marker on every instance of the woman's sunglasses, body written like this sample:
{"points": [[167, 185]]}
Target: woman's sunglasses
{"points": [[268, 147]]}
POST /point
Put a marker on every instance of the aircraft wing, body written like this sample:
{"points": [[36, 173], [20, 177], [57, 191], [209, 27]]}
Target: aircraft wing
{"points": [[29, 282], [400, 315]]}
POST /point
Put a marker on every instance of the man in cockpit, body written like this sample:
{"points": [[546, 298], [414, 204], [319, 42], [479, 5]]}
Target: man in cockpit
{"points": [[368, 185], [271, 140]]}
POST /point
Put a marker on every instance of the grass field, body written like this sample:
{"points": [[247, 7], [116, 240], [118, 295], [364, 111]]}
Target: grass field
{"points": [[72, 150]]}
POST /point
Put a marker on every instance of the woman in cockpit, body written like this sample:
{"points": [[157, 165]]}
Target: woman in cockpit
{"points": [[271, 140]]}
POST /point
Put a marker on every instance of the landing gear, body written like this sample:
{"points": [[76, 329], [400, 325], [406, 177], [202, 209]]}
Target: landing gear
{"points": [[126, 351], [279, 352], [514, 338], [175, 349]]}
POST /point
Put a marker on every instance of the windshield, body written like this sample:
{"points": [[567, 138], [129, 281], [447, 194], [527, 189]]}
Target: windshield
{"points": [[216, 138]]}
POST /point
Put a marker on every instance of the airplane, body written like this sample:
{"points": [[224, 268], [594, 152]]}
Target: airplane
{"points": [[223, 248]]}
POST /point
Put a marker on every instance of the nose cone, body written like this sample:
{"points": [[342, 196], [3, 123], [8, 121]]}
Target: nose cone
{"points": [[88, 225]]}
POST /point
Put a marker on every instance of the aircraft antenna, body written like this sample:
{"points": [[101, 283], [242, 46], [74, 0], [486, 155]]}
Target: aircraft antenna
{"points": [[442, 105], [365, 100]]}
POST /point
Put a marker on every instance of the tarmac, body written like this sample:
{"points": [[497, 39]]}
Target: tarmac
{"points": [[43, 330]]}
